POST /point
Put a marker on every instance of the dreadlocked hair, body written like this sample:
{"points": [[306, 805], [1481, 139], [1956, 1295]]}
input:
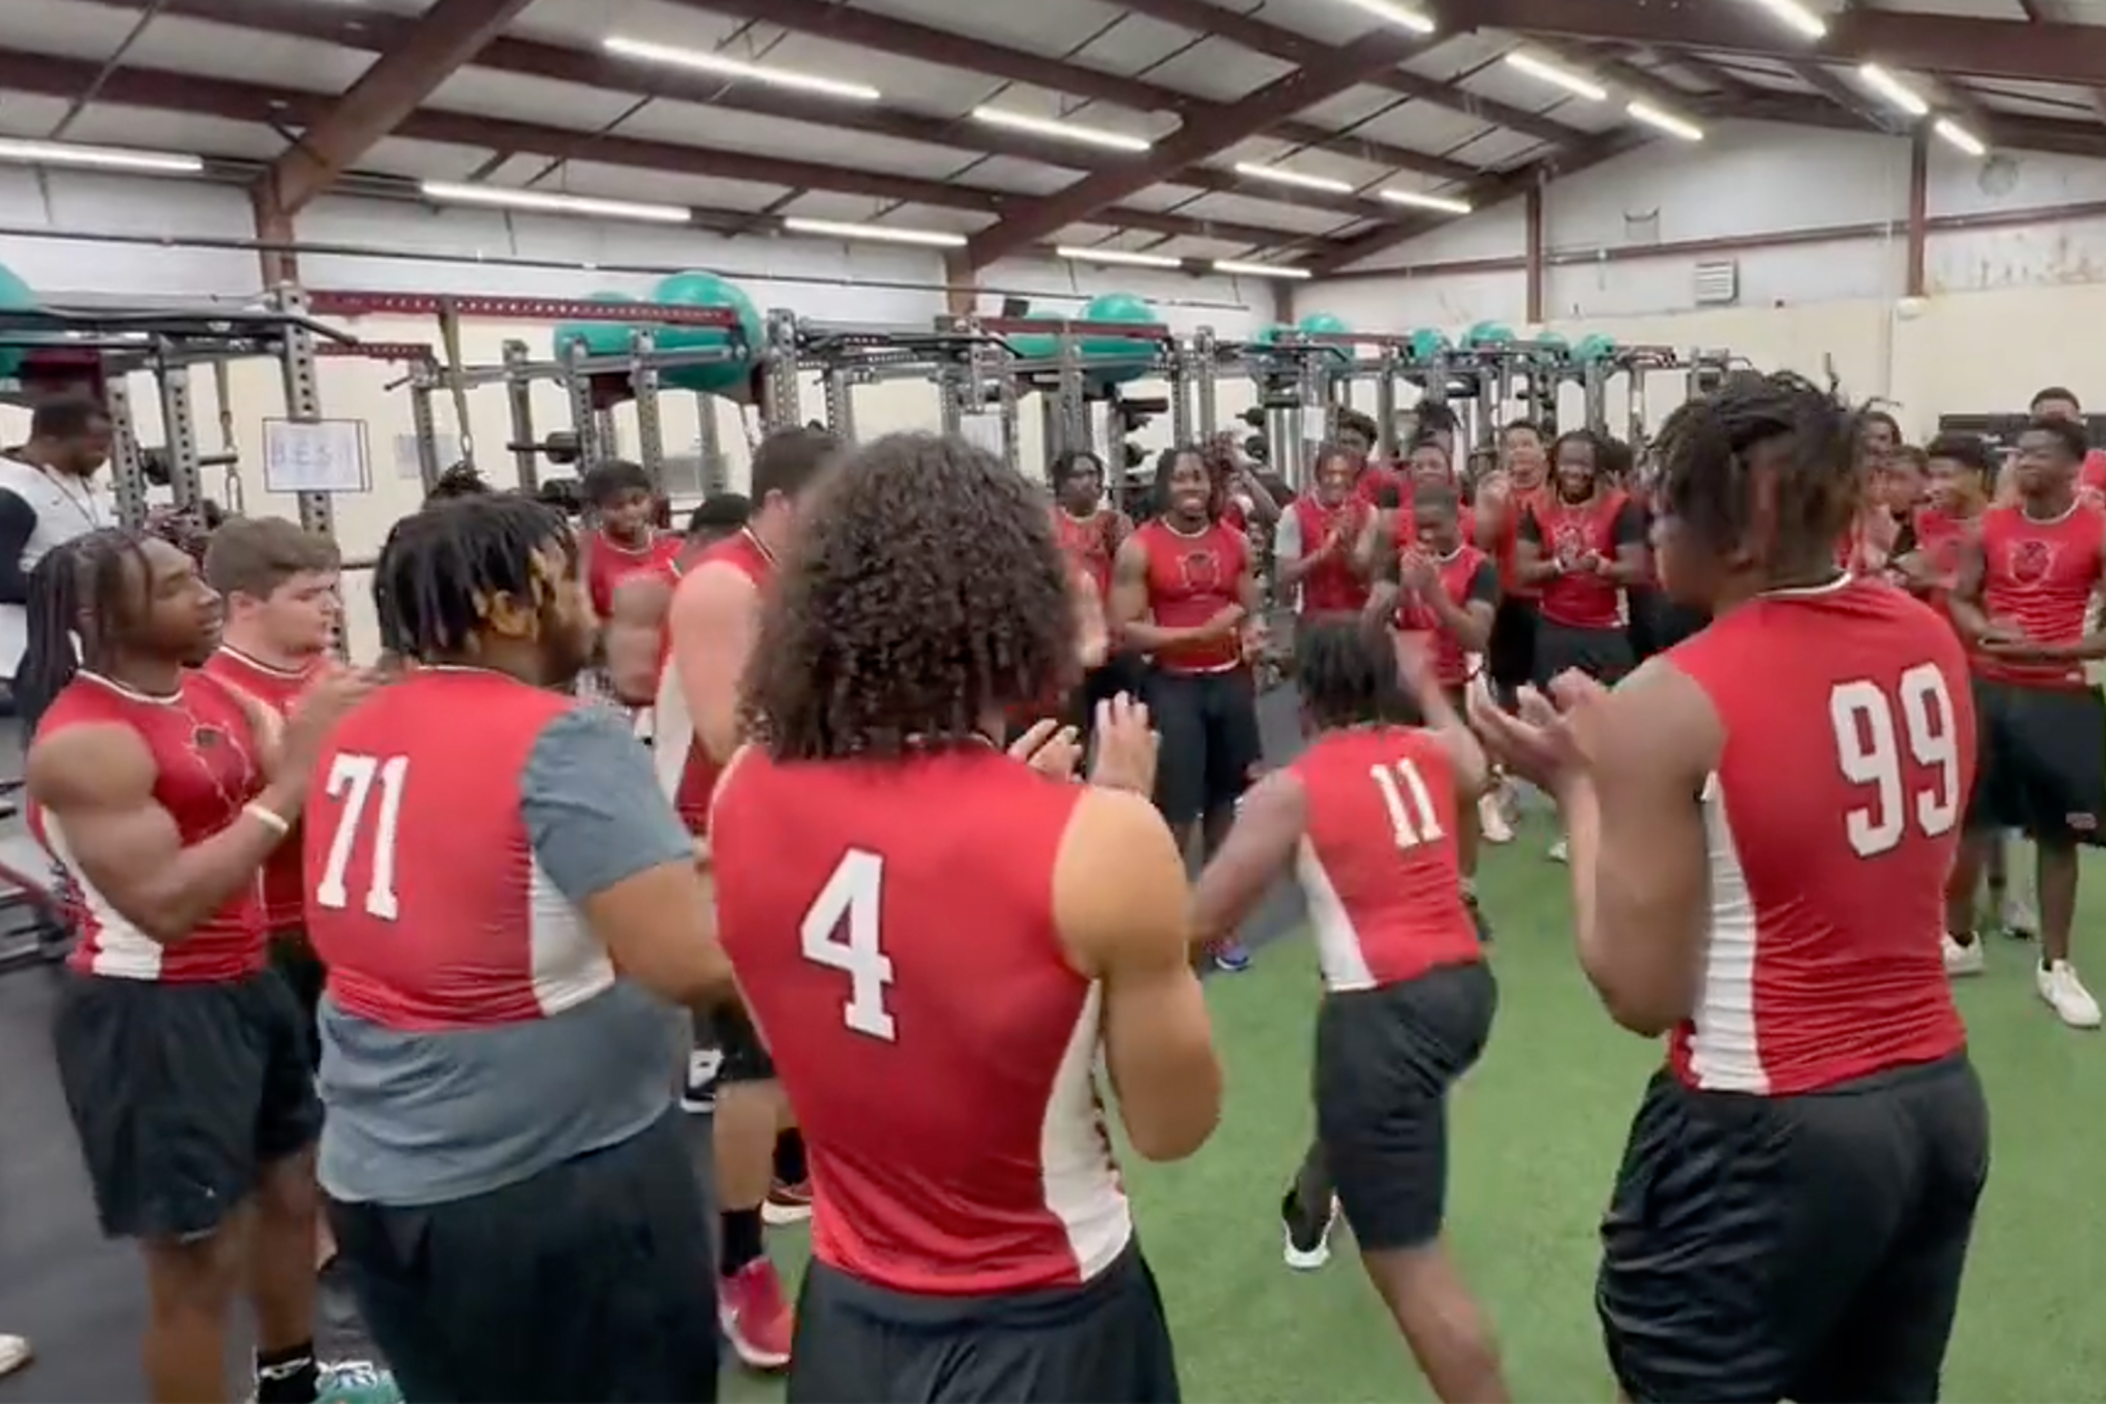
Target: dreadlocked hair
{"points": [[1346, 671], [461, 480], [437, 564], [79, 595], [925, 593], [1781, 426]]}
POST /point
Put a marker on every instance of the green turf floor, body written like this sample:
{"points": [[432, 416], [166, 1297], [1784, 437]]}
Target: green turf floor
{"points": [[1538, 1126]]}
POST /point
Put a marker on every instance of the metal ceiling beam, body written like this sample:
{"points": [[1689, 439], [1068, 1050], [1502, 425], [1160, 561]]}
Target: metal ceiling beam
{"points": [[906, 39], [165, 91], [1965, 46], [1198, 140], [1494, 190], [1264, 37], [2037, 13], [446, 36]]}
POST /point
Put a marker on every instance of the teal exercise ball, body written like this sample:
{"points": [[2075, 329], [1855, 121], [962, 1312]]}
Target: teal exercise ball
{"points": [[1428, 342], [1038, 346], [708, 290], [15, 296], [1554, 345], [598, 338], [1117, 307], [1325, 324], [1489, 334], [1594, 347]]}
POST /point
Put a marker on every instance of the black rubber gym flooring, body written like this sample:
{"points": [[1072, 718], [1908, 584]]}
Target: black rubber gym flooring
{"points": [[82, 1300]]}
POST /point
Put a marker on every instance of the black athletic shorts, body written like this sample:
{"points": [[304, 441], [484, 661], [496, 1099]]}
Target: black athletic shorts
{"points": [[181, 1094], [745, 1056], [293, 957], [1510, 652], [1385, 1059], [1105, 1342], [2041, 765], [1121, 672], [1806, 1248], [1208, 723], [589, 1280], [1602, 654]]}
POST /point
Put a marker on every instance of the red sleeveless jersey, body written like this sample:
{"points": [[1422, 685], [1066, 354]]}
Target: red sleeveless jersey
{"points": [[1833, 818], [2040, 576], [1520, 503], [1192, 578], [1377, 863], [1459, 571], [1367, 488], [1332, 587], [206, 767], [423, 896], [279, 689], [1570, 532], [1942, 537], [1089, 542], [697, 781], [892, 927], [609, 562]]}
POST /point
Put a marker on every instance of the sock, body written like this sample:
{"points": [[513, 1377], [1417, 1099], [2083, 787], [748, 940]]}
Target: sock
{"points": [[789, 1158], [742, 1240], [288, 1376]]}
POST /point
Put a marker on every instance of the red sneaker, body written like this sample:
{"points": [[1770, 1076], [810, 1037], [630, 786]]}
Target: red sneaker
{"points": [[756, 1316], [788, 1204]]}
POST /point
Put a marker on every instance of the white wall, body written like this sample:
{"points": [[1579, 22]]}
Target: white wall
{"points": [[2008, 308]]}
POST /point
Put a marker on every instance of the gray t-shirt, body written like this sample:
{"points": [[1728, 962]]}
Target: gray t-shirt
{"points": [[429, 1117]]}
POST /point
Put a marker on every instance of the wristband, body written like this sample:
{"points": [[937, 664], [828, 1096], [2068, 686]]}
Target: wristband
{"points": [[270, 818]]}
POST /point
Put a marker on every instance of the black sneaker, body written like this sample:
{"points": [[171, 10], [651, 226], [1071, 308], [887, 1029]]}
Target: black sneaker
{"points": [[1306, 1237], [699, 1096]]}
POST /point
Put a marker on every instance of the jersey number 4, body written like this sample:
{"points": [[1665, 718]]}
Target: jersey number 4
{"points": [[1869, 746], [1412, 818], [352, 779], [840, 931]]}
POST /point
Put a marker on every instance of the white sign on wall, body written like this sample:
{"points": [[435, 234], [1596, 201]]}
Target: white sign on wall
{"points": [[983, 431], [327, 456]]}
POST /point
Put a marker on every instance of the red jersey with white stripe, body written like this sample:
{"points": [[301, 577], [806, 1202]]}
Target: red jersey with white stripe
{"points": [[1466, 574], [1377, 862], [1332, 586], [685, 770], [609, 562], [284, 896], [2040, 575], [1832, 821], [1090, 542], [423, 898], [1193, 576], [1570, 532], [206, 768], [892, 926]]}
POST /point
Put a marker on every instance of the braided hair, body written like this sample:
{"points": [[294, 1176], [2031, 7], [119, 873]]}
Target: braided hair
{"points": [[440, 566], [79, 596], [1346, 671]]}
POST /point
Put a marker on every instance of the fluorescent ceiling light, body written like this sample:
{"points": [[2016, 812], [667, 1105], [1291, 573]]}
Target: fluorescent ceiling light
{"points": [[1260, 270], [1893, 90], [703, 61], [1279, 175], [1959, 136], [1060, 130], [876, 233], [1551, 73], [1795, 16], [1119, 257], [1674, 126], [109, 158], [1426, 202], [1395, 14], [542, 202]]}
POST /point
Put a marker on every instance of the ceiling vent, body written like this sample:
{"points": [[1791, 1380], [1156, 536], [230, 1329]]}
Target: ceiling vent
{"points": [[1718, 284]]}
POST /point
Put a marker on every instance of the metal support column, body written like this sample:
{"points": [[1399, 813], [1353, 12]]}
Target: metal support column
{"points": [[650, 427], [1387, 445], [584, 419], [127, 465], [303, 405], [424, 425], [519, 397], [840, 403], [1071, 403], [179, 426], [780, 408], [1181, 393], [1319, 417], [1206, 365], [709, 446]]}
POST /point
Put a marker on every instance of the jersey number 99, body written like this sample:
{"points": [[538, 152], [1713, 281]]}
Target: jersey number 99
{"points": [[1869, 747], [840, 931]]}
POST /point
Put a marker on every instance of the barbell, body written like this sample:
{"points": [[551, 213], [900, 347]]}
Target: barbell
{"points": [[561, 447]]}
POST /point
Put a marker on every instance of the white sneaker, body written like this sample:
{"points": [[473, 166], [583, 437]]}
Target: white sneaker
{"points": [[1560, 852], [2018, 917], [1491, 818], [2065, 993], [1963, 960], [14, 1353], [1307, 1257]]}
